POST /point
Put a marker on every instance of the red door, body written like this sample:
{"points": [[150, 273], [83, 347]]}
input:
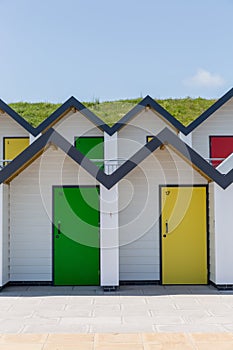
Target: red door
{"points": [[220, 147]]}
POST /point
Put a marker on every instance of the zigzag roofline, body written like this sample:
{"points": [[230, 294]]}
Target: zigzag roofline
{"points": [[72, 102], [164, 137], [15, 116]]}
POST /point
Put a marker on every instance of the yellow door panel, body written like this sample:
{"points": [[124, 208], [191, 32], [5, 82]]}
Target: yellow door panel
{"points": [[184, 237], [13, 146]]}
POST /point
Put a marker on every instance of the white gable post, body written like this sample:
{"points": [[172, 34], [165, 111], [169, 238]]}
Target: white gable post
{"points": [[223, 235], [109, 236], [1, 235], [4, 273]]}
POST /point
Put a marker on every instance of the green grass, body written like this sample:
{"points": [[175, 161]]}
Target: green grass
{"points": [[185, 109]]}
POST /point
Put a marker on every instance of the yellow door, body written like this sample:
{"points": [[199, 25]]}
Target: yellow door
{"points": [[13, 146], [184, 236]]}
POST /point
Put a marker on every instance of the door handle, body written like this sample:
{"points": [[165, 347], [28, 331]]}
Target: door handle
{"points": [[166, 226]]}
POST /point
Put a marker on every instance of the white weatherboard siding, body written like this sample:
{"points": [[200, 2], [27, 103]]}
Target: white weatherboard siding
{"points": [[76, 124], [223, 235], [139, 212], [4, 235], [1, 236], [9, 128], [219, 123], [133, 136], [31, 213]]}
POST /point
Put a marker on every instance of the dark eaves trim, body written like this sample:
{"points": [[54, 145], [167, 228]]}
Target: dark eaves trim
{"points": [[164, 137], [72, 102], [167, 137], [147, 102], [209, 112], [20, 120], [51, 137]]}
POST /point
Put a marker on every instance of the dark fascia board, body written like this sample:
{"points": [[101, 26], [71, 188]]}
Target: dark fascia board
{"points": [[51, 137], [72, 102], [20, 120], [205, 115], [147, 101], [166, 137]]}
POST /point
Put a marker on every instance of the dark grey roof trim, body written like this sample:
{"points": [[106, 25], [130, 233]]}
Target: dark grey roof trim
{"points": [[21, 121], [168, 137], [147, 101], [51, 136], [70, 103], [209, 112], [164, 137]]}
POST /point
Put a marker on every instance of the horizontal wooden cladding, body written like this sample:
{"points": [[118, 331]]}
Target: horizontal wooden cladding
{"points": [[23, 261], [141, 260], [146, 253], [139, 268], [139, 276], [30, 277]]}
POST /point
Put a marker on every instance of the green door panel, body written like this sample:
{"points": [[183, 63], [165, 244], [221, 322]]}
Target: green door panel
{"points": [[76, 235], [92, 148]]}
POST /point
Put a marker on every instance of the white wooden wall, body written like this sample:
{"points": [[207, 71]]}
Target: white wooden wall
{"points": [[76, 124], [9, 128], [139, 212], [133, 136], [219, 123], [4, 236], [109, 240], [31, 213]]}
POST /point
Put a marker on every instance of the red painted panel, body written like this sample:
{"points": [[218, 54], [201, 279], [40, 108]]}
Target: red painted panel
{"points": [[220, 147]]}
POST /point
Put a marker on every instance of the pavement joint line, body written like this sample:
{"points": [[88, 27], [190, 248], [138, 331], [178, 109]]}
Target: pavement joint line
{"points": [[191, 340]]}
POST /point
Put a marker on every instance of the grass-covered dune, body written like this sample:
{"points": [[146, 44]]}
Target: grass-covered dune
{"points": [[184, 109]]}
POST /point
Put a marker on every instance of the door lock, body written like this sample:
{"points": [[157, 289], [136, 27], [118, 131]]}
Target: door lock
{"points": [[59, 227], [166, 226]]}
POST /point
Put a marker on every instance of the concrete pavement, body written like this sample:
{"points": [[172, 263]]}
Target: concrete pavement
{"points": [[135, 317]]}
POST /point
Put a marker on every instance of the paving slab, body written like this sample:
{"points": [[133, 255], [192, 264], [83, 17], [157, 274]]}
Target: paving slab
{"points": [[133, 317], [127, 341]]}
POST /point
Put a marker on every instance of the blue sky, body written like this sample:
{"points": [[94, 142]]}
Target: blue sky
{"points": [[52, 49]]}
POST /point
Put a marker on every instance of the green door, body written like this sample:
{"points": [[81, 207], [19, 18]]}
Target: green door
{"points": [[76, 235], [92, 148]]}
